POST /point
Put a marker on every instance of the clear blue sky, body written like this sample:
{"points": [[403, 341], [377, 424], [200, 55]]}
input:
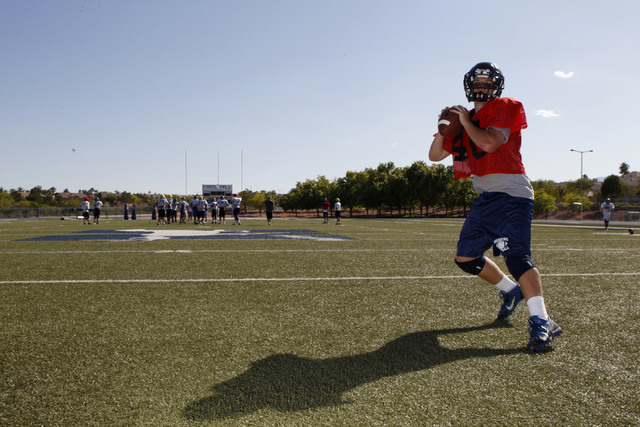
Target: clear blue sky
{"points": [[111, 94]]}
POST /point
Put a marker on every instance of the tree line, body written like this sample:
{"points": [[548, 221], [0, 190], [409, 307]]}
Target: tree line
{"points": [[40, 197], [410, 190], [418, 188]]}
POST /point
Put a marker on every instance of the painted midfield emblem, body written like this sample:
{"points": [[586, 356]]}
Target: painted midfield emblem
{"points": [[151, 235]]}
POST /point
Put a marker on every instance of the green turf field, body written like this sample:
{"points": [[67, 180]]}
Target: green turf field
{"points": [[305, 324]]}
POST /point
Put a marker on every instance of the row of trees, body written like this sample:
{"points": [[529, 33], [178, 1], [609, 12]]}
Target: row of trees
{"points": [[39, 197], [418, 187], [549, 194]]}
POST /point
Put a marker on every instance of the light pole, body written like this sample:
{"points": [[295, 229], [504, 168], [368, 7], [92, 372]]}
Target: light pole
{"points": [[581, 175]]}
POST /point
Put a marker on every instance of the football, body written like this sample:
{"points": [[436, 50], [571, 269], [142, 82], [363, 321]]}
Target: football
{"points": [[449, 123]]}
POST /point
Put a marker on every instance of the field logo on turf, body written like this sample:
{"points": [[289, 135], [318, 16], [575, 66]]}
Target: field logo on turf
{"points": [[164, 234]]}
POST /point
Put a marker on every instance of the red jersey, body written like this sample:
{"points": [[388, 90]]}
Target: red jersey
{"points": [[326, 206], [469, 159]]}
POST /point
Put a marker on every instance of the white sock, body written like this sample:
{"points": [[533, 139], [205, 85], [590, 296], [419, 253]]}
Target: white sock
{"points": [[537, 307], [505, 284]]}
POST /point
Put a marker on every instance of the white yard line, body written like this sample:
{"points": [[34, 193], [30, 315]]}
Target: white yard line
{"points": [[290, 279], [189, 251], [446, 247]]}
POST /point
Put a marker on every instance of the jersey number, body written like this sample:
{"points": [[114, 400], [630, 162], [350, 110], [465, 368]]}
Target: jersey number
{"points": [[460, 151]]}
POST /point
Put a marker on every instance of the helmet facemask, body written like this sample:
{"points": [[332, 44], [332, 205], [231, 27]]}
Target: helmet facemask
{"points": [[483, 70], [483, 92]]}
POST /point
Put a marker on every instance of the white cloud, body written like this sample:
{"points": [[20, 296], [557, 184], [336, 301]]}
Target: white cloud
{"points": [[547, 113], [563, 75]]}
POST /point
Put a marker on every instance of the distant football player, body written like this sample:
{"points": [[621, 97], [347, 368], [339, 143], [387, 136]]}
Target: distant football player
{"points": [[183, 206], [173, 217], [235, 208], [337, 207], [213, 209], [202, 210], [222, 203], [488, 150], [86, 207], [193, 204], [269, 207], [161, 204], [325, 211], [97, 208], [607, 209]]}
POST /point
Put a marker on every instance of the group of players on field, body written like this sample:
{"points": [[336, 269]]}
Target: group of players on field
{"points": [[196, 210]]}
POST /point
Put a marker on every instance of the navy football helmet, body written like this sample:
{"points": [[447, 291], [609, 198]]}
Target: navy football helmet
{"points": [[487, 70]]}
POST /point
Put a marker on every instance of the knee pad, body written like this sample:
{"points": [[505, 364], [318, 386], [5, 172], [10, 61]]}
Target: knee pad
{"points": [[474, 266], [518, 265]]}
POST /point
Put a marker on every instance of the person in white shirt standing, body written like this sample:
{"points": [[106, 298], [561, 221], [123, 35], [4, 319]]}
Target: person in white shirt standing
{"points": [[168, 208], [607, 209], [235, 205], [97, 208], [222, 203], [202, 210], [193, 203], [337, 208], [161, 204], [86, 206], [213, 208], [184, 206]]}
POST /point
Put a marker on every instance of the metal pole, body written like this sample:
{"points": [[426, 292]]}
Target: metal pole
{"points": [[581, 175], [186, 192]]}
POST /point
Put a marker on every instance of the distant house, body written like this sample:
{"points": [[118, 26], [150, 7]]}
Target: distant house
{"points": [[630, 179], [68, 196]]}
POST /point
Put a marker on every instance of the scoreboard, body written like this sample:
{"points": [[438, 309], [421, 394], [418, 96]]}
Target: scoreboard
{"points": [[211, 190]]}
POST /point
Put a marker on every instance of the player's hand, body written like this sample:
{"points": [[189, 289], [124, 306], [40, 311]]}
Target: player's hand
{"points": [[463, 114]]}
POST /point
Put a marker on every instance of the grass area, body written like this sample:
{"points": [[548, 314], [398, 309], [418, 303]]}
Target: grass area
{"points": [[382, 329]]}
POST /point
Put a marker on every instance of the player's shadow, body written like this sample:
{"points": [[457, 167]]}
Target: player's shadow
{"points": [[286, 382]]}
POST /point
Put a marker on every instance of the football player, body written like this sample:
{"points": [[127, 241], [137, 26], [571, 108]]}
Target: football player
{"points": [[202, 210], [235, 208], [607, 209], [183, 206], [213, 209], [86, 206], [325, 210], [488, 150], [161, 204], [97, 208], [222, 203]]}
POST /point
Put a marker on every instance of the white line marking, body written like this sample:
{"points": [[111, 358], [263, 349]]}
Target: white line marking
{"points": [[444, 247], [290, 279], [448, 249]]}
